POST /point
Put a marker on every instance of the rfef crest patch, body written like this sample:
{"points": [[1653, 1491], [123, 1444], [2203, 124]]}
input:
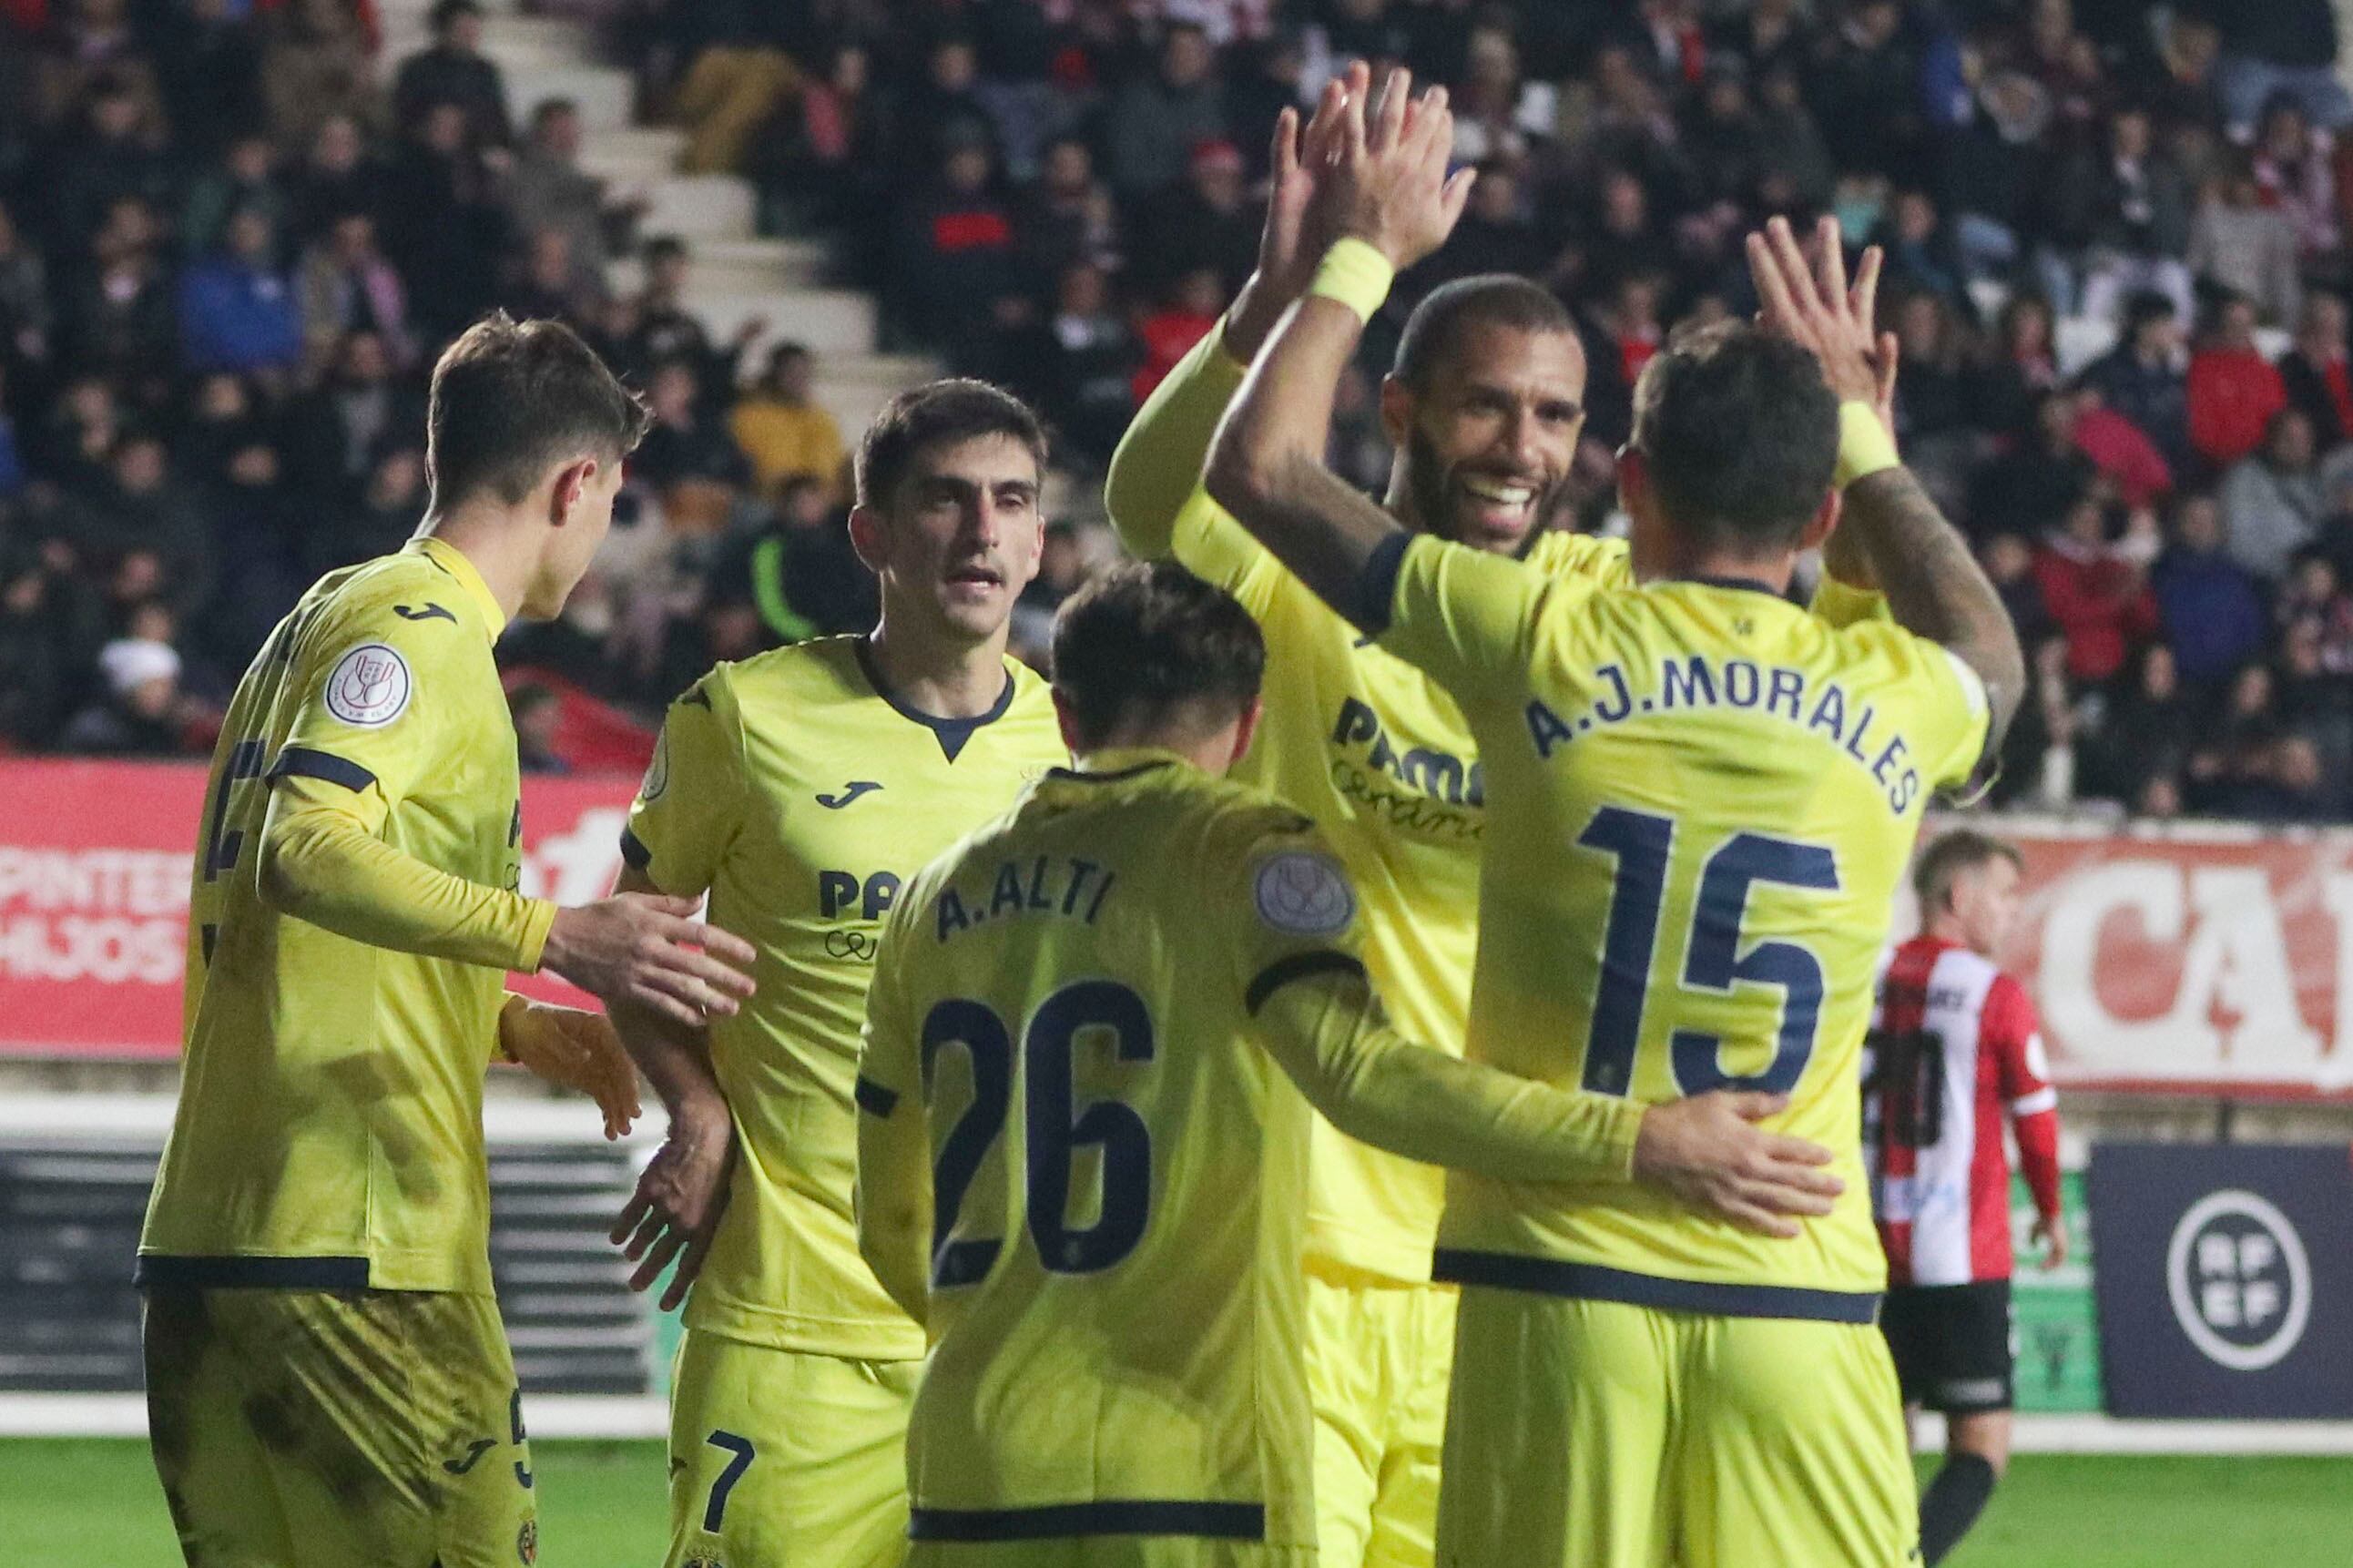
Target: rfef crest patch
{"points": [[369, 686], [1302, 893]]}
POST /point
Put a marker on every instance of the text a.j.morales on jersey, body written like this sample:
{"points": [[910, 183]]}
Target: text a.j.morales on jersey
{"points": [[1062, 886], [1818, 709]]}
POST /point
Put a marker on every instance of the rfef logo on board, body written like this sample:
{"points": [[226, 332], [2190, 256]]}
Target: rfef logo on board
{"points": [[2240, 1281], [2225, 1279]]}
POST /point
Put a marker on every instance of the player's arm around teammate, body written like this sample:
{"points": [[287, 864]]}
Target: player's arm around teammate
{"points": [[325, 859], [326, 1372]]}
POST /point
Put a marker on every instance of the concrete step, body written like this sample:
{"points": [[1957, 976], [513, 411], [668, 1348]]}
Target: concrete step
{"points": [[606, 97], [698, 207], [636, 156], [854, 387], [416, 14], [513, 43], [737, 266], [829, 321], [888, 372]]}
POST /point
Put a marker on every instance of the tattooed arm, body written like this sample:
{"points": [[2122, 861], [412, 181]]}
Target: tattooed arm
{"points": [[1935, 588]]}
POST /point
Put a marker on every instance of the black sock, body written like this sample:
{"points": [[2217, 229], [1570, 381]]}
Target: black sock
{"points": [[1952, 1503]]}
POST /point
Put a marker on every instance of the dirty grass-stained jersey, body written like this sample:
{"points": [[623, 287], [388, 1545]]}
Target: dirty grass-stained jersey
{"points": [[328, 1130]]}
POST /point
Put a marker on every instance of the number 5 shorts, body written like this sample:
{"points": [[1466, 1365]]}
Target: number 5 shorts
{"points": [[338, 1429]]}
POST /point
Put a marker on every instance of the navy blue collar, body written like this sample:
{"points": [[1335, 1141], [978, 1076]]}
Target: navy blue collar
{"points": [[950, 733], [1745, 585]]}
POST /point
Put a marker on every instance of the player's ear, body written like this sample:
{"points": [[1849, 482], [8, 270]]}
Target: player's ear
{"points": [[1823, 523], [1067, 722], [1246, 730], [1634, 480], [866, 528], [571, 482], [1396, 410]]}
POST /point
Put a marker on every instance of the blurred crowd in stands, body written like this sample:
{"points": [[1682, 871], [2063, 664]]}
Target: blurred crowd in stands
{"points": [[233, 235]]}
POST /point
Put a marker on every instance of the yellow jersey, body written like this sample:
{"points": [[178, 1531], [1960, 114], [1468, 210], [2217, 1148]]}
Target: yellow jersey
{"points": [[1088, 1031], [800, 796], [329, 1134], [1701, 799], [1376, 752]]}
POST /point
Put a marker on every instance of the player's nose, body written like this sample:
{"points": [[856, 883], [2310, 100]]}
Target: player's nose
{"points": [[984, 524]]}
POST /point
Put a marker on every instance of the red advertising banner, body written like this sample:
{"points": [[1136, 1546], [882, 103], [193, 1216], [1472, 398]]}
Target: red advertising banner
{"points": [[2201, 958], [2195, 960], [94, 865]]}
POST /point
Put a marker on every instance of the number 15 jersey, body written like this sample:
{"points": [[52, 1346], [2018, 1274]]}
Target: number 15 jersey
{"points": [[1700, 800]]}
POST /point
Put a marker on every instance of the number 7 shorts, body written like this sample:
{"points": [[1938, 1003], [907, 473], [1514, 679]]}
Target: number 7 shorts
{"points": [[338, 1429], [1586, 1434], [783, 1458]]}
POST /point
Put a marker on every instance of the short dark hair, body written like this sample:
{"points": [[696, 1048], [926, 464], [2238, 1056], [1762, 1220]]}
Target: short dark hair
{"points": [[957, 409], [1943, 861], [1445, 313], [449, 11], [1147, 638], [510, 399], [1740, 435], [2144, 307]]}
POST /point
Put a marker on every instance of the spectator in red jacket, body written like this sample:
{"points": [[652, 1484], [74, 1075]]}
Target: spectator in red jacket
{"points": [[2097, 590], [2233, 390]]}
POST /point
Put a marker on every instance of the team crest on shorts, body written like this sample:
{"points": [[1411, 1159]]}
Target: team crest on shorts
{"points": [[1302, 893], [527, 1543], [369, 686]]}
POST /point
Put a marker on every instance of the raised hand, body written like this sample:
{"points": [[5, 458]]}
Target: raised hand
{"points": [[579, 1050], [1387, 184], [1815, 307], [1707, 1151], [644, 947], [1287, 252]]}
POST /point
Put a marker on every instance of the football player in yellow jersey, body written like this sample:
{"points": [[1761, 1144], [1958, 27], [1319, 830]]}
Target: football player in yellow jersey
{"points": [[1078, 1163], [1700, 799], [327, 1380], [800, 789], [1484, 407]]}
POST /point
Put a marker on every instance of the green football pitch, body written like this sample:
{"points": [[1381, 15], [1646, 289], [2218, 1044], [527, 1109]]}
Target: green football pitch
{"points": [[67, 1504]]}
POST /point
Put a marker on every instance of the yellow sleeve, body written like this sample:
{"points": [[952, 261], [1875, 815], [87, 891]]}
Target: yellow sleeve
{"points": [[1939, 704], [1294, 917], [690, 803], [370, 730], [1154, 491], [323, 862], [1840, 603], [892, 1196], [1467, 618]]}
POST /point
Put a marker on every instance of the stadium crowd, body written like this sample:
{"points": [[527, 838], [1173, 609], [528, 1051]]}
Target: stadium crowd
{"points": [[233, 235]]}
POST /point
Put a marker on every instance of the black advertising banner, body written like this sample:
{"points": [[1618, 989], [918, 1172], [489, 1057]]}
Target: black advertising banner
{"points": [[2225, 1283]]}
